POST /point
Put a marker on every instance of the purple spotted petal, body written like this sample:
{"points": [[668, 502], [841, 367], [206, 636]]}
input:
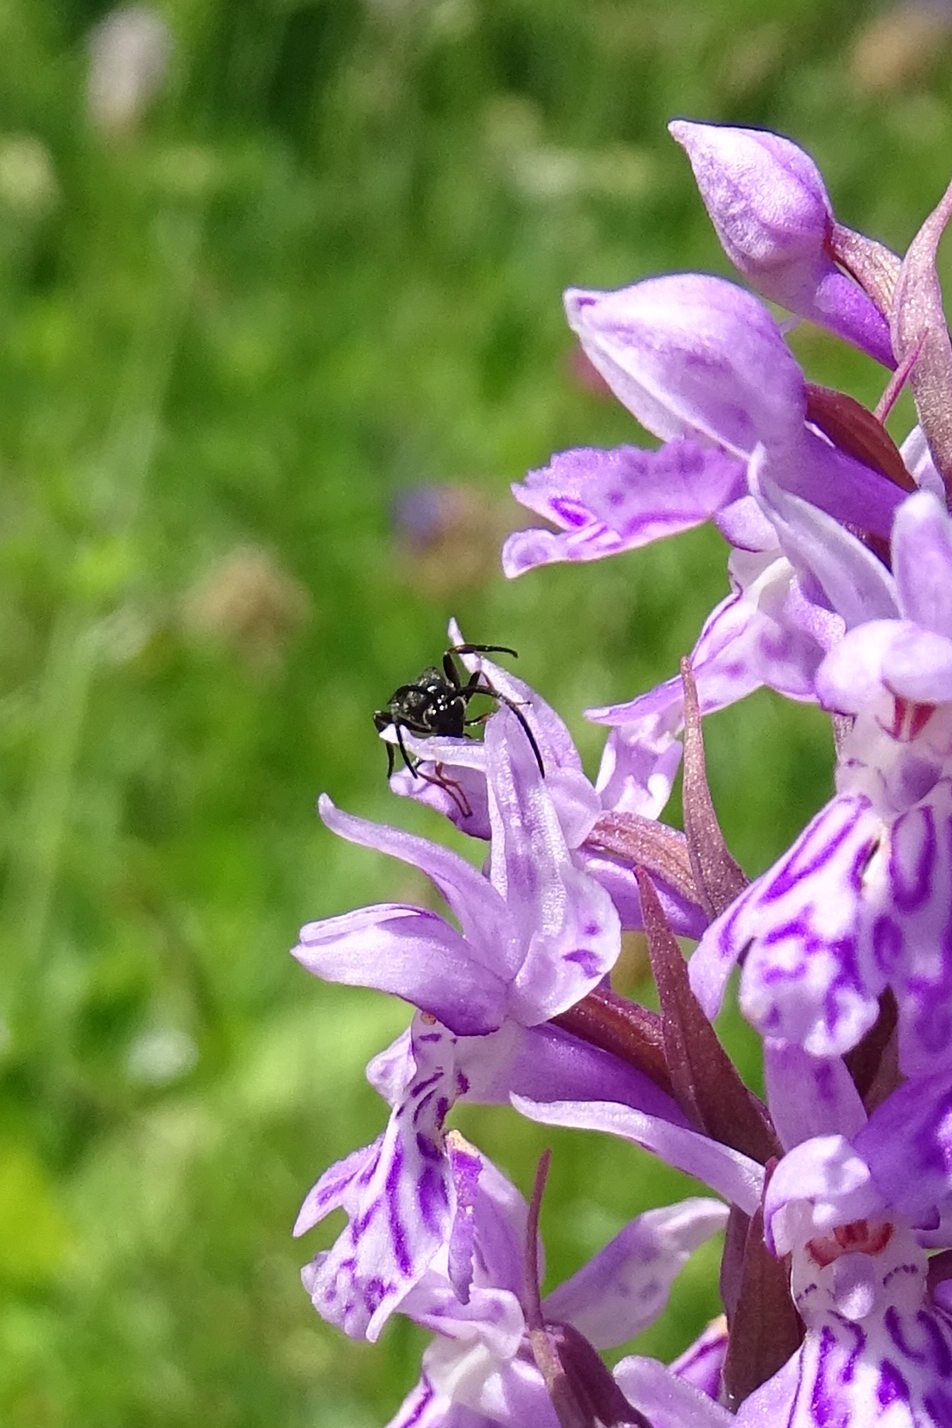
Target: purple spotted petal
{"points": [[691, 355], [733, 1175], [810, 975], [912, 934], [398, 1196], [770, 210], [625, 1286], [605, 502], [859, 1280], [568, 927], [897, 1368]]}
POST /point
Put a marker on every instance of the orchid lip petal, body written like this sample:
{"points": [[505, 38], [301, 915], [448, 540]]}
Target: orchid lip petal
{"points": [[606, 502]]}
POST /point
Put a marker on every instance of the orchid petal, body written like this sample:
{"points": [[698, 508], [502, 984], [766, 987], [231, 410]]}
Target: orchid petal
{"points": [[858, 586], [809, 976], [908, 1146], [568, 925], [605, 502], [922, 561], [691, 355], [423, 1408], [702, 1362], [484, 918], [624, 1287], [399, 1200], [666, 1400], [823, 1177], [809, 1095], [735, 1176], [411, 953], [639, 765]]}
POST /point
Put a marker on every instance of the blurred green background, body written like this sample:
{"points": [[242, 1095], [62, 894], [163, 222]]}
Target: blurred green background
{"points": [[281, 321]]}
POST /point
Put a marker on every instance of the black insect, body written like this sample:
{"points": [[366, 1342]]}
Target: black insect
{"points": [[437, 702]]}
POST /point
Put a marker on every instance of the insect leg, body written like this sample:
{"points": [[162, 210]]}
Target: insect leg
{"points": [[482, 649], [407, 759], [511, 704], [452, 787]]}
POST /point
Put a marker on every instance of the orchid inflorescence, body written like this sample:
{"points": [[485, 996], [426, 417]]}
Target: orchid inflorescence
{"points": [[835, 1189]]}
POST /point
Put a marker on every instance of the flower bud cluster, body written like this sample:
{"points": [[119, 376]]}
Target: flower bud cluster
{"points": [[834, 1191]]}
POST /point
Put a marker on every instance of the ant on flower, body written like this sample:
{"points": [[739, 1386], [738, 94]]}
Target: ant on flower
{"points": [[436, 703]]}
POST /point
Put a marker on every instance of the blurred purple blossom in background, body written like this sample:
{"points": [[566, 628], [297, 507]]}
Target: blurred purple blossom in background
{"points": [[835, 1189]]}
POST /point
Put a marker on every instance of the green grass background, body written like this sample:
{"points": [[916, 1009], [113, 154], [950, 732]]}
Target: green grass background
{"points": [[326, 267]]}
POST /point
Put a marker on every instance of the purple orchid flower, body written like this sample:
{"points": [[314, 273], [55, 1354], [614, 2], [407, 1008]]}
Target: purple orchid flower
{"points": [[855, 1210], [632, 787], [479, 1369], [401, 1193], [787, 471], [704, 366], [536, 935], [861, 902]]}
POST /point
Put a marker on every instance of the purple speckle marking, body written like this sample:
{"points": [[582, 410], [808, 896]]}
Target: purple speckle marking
{"points": [[821, 841], [427, 1149], [432, 1199], [912, 858], [892, 1387], [887, 945], [586, 959], [398, 1234]]}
